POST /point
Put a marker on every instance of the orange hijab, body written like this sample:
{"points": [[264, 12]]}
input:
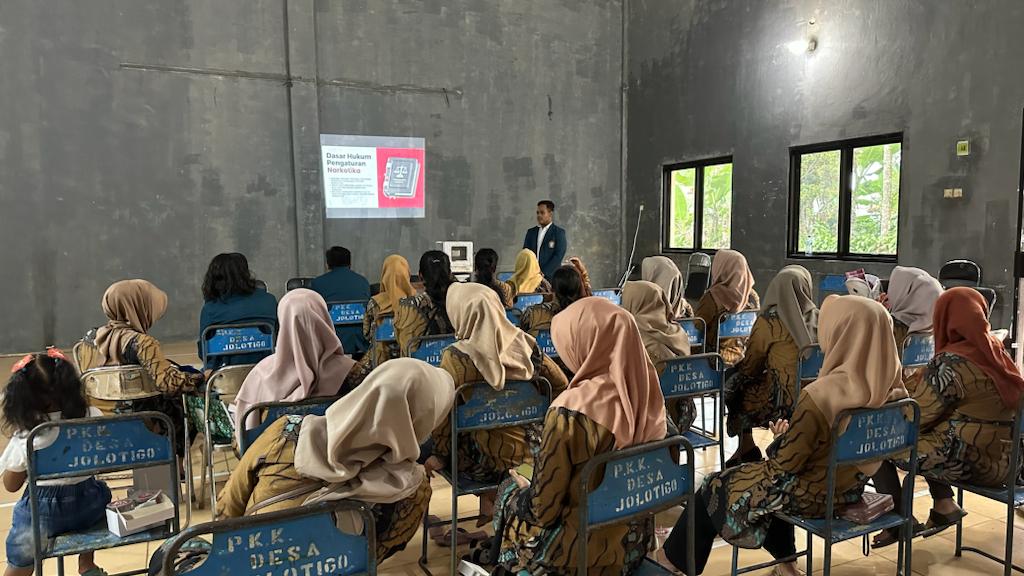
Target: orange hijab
{"points": [[394, 284], [961, 327], [731, 280], [615, 384]]}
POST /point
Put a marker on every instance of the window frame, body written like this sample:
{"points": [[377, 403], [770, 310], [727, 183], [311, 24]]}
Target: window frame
{"points": [[698, 204], [846, 149]]}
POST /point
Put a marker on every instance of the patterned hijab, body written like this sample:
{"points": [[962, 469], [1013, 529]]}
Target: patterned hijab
{"points": [[394, 284], [499, 350], [962, 328], [366, 445], [790, 295], [527, 276], [861, 364], [662, 337], [912, 294], [664, 272], [132, 307], [308, 360], [615, 384], [731, 280]]}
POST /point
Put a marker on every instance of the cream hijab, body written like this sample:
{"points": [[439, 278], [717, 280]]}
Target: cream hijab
{"points": [[790, 295], [664, 272], [394, 284], [731, 280], [499, 350], [527, 276], [132, 307], [366, 446], [912, 294], [861, 364], [662, 337], [308, 360], [615, 384]]}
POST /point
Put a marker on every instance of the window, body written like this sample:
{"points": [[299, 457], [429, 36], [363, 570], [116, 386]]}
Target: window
{"points": [[845, 198], [698, 205]]}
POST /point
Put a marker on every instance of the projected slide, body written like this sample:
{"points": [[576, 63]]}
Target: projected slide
{"points": [[373, 176]]}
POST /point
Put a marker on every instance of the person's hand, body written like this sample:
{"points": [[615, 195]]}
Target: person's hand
{"points": [[519, 479], [883, 299], [898, 392], [431, 465], [779, 427]]}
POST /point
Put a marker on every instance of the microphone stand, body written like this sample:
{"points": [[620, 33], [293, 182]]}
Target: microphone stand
{"points": [[629, 263]]}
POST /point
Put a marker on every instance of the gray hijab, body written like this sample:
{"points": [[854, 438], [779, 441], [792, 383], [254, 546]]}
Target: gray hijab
{"points": [[790, 295]]}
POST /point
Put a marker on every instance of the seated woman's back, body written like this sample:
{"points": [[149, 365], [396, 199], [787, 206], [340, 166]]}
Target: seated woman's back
{"points": [[569, 283], [425, 314], [231, 296], [731, 291]]}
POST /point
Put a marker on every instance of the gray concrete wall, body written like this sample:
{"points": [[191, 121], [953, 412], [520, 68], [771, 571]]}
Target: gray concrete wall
{"points": [[140, 138], [712, 78]]}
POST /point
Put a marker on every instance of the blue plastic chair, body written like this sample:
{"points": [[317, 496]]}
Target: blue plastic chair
{"points": [[220, 340], [738, 325], [272, 411], [1011, 498], [831, 284], [429, 348], [384, 333], [639, 482], [303, 540], [347, 313], [519, 403], [524, 301], [298, 282], [917, 350], [808, 366], [92, 446], [695, 377], [515, 316], [505, 276], [695, 331], [545, 344], [613, 295], [872, 435]]}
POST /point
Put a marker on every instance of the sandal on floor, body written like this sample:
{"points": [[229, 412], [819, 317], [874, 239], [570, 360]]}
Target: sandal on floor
{"points": [[462, 538], [890, 536], [938, 522], [752, 455], [436, 531]]}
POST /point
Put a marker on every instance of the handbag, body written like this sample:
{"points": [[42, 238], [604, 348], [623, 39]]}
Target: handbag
{"points": [[868, 509]]}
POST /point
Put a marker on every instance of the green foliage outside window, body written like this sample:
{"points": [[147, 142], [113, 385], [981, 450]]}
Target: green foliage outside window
{"points": [[716, 216]]}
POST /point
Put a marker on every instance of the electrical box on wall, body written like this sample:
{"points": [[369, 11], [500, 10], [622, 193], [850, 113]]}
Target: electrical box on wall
{"points": [[963, 147]]}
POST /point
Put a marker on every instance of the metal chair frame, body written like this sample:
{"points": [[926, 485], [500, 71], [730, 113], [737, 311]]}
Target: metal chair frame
{"points": [[687, 381], [274, 410]]}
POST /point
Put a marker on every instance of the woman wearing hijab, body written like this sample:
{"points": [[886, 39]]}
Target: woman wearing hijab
{"points": [[363, 449], [132, 307], [307, 362], [969, 394], [568, 284], [613, 402], [762, 389], [911, 299], [528, 277], [664, 272], [861, 369], [732, 291], [395, 284]]}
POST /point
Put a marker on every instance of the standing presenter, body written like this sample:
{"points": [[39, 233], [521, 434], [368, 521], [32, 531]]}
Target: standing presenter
{"points": [[547, 240]]}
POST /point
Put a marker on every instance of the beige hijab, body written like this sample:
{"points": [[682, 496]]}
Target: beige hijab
{"points": [[912, 294], [731, 280], [615, 384], [499, 350], [790, 295], [307, 362], [394, 284], [365, 447], [527, 276], [664, 272], [662, 337], [861, 364], [132, 307]]}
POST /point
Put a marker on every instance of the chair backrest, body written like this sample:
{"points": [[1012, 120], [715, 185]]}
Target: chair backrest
{"points": [[271, 411], [990, 297], [832, 284], [613, 295], [232, 339], [695, 331], [524, 301], [545, 344], [810, 361], [691, 375], [960, 273], [302, 540], [117, 383], [91, 446], [917, 350], [515, 316], [517, 404], [638, 482], [347, 313], [874, 434], [298, 282], [227, 381], [738, 325], [385, 331], [505, 276], [698, 275], [261, 285], [429, 348]]}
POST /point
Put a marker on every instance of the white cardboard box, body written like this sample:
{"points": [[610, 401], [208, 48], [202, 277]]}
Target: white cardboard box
{"points": [[140, 519]]}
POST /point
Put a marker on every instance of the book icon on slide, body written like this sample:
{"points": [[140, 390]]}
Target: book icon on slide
{"points": [[400, 176]]}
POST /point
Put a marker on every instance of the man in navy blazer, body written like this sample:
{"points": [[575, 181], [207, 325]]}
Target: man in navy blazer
{"points": [[547, 241]]}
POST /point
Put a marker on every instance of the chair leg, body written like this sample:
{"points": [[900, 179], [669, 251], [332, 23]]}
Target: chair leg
{"points": [[735, 559], [959, 549], [810, 553], [423, 550], [828, 558], [1008, 550], [60, 565]]}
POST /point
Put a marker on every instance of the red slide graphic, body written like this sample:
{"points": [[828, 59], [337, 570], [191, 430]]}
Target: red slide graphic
{"points": [[400, 177]]}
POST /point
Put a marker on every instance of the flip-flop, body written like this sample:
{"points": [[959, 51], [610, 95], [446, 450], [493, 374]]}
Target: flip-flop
{"points": [[939, 522], [890, 536], [462, 538]]}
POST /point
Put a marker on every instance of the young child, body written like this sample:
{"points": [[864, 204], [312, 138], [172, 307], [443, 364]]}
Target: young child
{"points": [[45, 387]]}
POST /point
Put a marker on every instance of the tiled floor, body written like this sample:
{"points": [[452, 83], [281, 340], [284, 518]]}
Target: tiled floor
{"points": [[984, 528]]}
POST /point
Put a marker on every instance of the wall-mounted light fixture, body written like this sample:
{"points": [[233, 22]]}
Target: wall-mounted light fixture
{"points": [[807, 44]]}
